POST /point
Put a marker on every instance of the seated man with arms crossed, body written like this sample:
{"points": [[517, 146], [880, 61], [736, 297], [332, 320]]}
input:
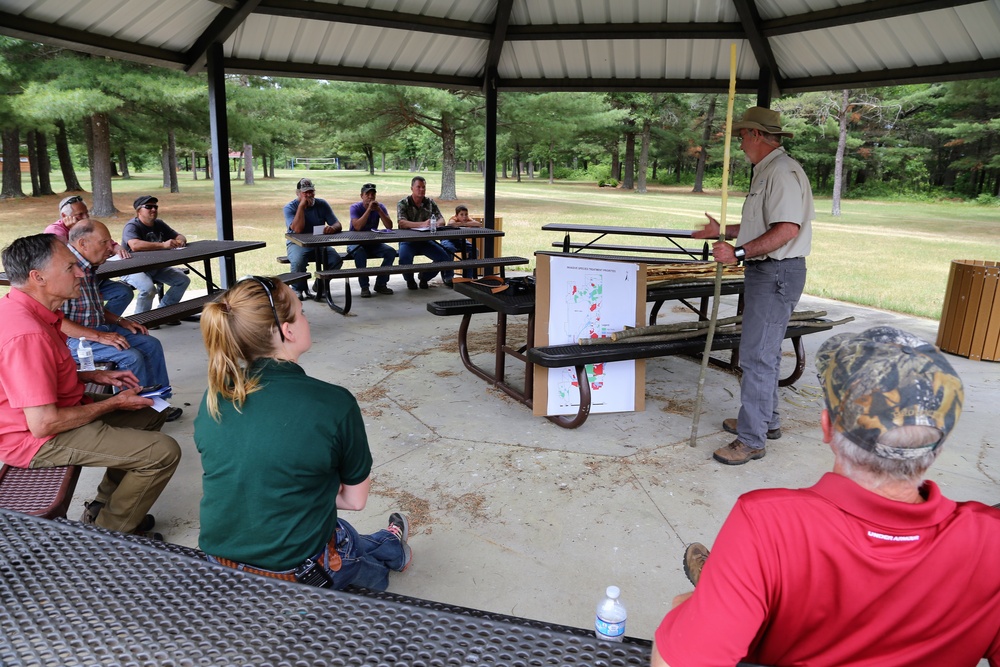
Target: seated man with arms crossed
{"points": [[870, 566], [117, 295], [413, 212], [147, 232], [47, 420], [113, 338], [365, 216]]}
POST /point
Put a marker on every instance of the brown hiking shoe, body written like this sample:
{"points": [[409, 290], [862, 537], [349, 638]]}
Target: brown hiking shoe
{"points": [[736, 453], [694, 559], [729, 426]]}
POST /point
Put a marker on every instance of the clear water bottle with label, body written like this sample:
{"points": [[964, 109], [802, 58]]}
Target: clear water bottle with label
{"points": [[85, 355], [434, 224], [609, 624]]}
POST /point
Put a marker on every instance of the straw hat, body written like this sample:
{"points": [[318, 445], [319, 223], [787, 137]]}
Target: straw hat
{"points": [[759, 118]]}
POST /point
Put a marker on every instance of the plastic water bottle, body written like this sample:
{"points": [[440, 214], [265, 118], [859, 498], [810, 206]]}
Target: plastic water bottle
{"points": [[434, 224], [85, 355], [609, 624]]}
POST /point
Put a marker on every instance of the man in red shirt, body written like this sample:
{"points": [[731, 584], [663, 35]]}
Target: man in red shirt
{"points": [[871, 566], [46, 419]]}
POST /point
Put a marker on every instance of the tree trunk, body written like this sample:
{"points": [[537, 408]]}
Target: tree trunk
{"points": [[272, 166], [123, 163], [503, 169], [248, 164], [706, 136], [531, 169], [517, 162], [838, 179], [644, 156], [114, 169], [628, 182], [32, 163], [44, 164], [65, 160], [165, 165], [11, 164], [208, 165], [194, 166], [552, 178], [172, 160], [448, 134], [616, 165], [369, 152], [104, 203], [88, 134]]}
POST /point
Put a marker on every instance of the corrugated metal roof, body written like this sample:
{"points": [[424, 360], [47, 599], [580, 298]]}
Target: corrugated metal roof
{"points": [[536, 44]]}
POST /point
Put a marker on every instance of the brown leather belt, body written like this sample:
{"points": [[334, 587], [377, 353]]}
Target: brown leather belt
{"points": [[328, 557]]}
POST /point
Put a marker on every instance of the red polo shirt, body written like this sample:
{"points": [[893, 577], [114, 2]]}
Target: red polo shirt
{"points": [[36, 369]]}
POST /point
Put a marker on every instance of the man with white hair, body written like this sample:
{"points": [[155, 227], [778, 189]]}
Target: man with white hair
{"points": [[116, 294], [870, 566]]}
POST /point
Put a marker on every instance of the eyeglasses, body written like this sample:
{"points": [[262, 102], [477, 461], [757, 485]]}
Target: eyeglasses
{"points": [[75, 199], [269, 291], [150, 207]]}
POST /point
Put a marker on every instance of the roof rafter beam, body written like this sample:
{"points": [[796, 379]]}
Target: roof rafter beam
{"points": [[873, 10], [79, 40], [338, 73], [627, 85], [626, 31], [321, 11], [752, 25], [225, 24], [501, 19], [979, 69]]}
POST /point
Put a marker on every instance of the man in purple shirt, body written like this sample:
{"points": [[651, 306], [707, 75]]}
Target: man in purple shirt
{"points": [[365, 216]]}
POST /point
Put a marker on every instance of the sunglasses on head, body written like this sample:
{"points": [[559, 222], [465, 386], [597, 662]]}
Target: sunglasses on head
{"points": [[268, 286], [150, 207], [76, 199]]}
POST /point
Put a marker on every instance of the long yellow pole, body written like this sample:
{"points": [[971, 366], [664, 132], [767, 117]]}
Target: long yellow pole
{"points": [[722, 237]]}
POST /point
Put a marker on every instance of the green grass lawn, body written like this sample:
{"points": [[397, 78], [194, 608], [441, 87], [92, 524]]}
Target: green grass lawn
{"points": [[893, 256]]}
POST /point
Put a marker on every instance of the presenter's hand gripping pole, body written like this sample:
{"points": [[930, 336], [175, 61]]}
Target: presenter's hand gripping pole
{"points": [[722, 237]]}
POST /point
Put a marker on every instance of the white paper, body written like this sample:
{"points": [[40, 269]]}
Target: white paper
{"points": [[318, 229], [591, 299], [159, 404]]}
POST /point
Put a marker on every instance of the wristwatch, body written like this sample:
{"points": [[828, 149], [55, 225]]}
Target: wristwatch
{"points": [[740, 253]]}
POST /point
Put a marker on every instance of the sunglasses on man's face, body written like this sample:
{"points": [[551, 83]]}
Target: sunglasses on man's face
{"points": [[150, 207], [269, 291]]}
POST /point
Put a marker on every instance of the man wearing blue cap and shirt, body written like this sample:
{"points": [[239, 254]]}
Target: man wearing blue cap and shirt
{"points": [[305, 215], [870, 566]]}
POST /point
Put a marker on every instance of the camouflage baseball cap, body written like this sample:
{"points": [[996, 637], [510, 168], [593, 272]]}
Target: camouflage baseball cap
{"points": [[882, 378]]}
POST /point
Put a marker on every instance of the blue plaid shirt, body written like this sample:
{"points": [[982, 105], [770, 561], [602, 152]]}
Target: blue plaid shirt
{"points": [[88, 308]]}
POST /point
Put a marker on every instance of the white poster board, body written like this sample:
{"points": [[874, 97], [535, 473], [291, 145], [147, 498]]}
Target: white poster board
{"points": [[587, 298]]}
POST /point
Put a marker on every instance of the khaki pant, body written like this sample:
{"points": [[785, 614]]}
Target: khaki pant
{"points": [[139, 459]]}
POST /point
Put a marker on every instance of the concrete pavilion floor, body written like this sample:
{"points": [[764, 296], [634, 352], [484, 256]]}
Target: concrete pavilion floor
{"points": [[513, 514]]}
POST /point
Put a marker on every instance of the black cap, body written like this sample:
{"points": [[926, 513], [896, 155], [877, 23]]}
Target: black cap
{"points": [[143, 200], [367, 187]]}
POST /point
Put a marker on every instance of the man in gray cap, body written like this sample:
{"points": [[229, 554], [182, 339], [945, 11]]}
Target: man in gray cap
{"points": [[772, 239], [147, 232], [870, 566], [308, 215]]}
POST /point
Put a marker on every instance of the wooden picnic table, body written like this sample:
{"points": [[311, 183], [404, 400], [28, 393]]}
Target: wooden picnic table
{"points": [[78, 595], [600, 231]]}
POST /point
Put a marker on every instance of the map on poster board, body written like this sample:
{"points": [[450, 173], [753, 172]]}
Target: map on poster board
{"points": [[591, 299]]}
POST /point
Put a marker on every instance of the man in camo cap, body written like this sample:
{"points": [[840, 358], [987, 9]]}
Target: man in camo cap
{"points": [[870, 566]]}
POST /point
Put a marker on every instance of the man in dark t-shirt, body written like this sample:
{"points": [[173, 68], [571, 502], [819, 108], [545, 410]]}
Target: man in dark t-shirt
{"points": [[147, 232]]}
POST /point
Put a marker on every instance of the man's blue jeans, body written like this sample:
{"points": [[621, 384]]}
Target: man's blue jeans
{"points": [[144, 357], [299, 257], [145, 285], [116, 295], [770, 292], [361, 254], [430, 249]]}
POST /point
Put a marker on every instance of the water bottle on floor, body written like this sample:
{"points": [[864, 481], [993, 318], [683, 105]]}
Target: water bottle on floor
{"points": [[85, 355], [610, 622]]}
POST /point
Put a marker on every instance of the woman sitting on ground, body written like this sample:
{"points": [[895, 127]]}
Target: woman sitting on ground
{"points": [[282, 452]]}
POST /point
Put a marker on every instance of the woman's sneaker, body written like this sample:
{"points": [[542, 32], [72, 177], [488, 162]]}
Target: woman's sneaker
{"points": [[400, 527]]}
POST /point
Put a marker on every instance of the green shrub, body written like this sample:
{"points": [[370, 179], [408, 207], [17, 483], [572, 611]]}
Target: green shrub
{"points": [[607, 183]]}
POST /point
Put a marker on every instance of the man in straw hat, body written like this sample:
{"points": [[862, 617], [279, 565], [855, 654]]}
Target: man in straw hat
{"points": [[872, 565], [772, 239]]}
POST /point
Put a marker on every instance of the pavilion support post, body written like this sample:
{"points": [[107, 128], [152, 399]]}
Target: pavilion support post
{"points": [[765, 84], [490, 168], [220, 159]]}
